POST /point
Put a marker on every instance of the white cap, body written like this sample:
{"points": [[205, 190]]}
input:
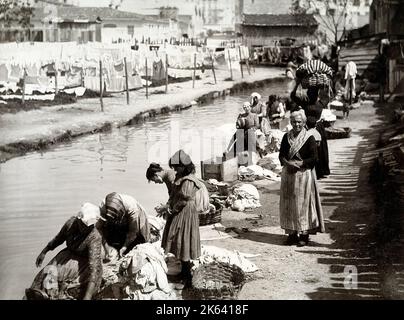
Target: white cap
{"points": [[89, 214]]}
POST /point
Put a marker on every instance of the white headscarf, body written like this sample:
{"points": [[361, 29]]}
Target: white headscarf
{"points": [[89, 214], [256, 94]]}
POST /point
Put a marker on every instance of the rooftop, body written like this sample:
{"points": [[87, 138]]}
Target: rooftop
{"points": [[279, 20], [90, 14]]}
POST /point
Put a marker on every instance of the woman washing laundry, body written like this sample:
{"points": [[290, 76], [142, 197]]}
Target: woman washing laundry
{"points": [[244, 139], [188, 198], [159, 175], [257, 106], [76, 271], [123, 223], [276, 111]]}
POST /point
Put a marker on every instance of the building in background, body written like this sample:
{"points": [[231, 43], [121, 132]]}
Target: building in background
{"points": [[265, 29], [188, 14], [356, 13], [219, 16], [93, 24], [387, 16]]}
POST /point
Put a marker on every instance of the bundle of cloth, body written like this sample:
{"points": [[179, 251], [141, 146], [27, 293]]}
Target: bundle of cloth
{"points": [[244, 196], [274, 139], [314, 73], [211, 254], [140, 275], [256, 172]]}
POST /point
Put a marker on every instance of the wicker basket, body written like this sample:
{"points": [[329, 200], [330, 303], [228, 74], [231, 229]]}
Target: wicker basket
{"points": [[316, 80], [338, 133], [217, 280], [213, 216]]}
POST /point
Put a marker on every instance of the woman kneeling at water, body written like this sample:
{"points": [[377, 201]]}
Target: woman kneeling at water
{"points": [[75, 272]]}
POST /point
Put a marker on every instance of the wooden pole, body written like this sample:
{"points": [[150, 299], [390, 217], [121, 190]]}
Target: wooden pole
{"points": [[56, 78], [147, 85], [193, 78], [166, 72], [82, 77], [213, 69], [254, 65], [248, 66], [126, 81], [241, 65], [247, 61], [101, 88], [23, 87], [231, 71]]}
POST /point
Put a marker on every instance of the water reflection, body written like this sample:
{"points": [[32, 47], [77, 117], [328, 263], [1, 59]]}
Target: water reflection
{"points": [[40, 191]]}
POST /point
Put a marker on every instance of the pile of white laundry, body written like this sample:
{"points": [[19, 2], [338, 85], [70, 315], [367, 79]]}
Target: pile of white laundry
{"points": [[255, 172], [211, 254], [244, 196], [271, 162], [140, 275]]}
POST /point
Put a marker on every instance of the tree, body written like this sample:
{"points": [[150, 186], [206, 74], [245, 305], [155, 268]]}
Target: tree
{"points": [[16, 12], [332, 15], [297, 7]]}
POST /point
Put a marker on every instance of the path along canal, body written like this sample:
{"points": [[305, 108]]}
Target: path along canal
{"points": [[40, 191]]}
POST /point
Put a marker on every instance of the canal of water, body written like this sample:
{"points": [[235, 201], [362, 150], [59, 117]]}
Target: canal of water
{"points": [[40, 191]]}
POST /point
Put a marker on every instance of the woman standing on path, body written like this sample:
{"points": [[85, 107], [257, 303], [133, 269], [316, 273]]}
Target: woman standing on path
{"points": [[188, 198], [76, 271], [300, 207]]}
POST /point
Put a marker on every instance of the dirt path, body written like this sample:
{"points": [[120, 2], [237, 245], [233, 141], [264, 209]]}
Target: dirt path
{"points": [[317, 270]]}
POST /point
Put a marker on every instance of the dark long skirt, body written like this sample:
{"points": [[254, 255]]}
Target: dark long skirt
{"points": [[181, 235], [322, 165]]}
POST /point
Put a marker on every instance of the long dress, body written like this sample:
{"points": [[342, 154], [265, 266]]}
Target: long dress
{"points": [[181, 237], [300, 205], [67, 275]]}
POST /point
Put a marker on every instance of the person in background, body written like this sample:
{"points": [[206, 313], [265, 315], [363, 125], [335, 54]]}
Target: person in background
{"points": [[291, 70], [189, 198], [350, 76], [313, 105], [382, 61], [123, 223], [244, 139], [257, 106], [276, 111], [300, 206], [159, 175], [248, 119], [76, 271]]}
